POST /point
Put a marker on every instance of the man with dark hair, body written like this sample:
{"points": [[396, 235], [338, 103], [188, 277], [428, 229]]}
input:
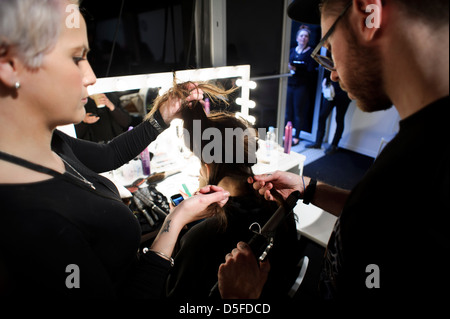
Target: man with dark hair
{"points": [[390, 239]]}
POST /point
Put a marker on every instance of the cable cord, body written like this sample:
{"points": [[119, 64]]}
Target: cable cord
{"points": [[116, 34]]}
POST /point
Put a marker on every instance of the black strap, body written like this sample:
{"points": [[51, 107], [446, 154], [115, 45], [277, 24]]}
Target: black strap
{"points": [[48, 171], [24, 163], [309, 192]]}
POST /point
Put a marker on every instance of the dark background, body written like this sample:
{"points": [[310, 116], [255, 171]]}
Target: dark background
{"points": [[158, 36]]}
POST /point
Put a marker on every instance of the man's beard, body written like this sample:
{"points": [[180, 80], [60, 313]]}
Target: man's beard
{"points": [[364, 77]]}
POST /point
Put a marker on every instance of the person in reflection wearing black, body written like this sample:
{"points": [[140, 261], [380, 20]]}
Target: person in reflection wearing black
{"points": [[339, 99], [104, 119], [300, 84]]}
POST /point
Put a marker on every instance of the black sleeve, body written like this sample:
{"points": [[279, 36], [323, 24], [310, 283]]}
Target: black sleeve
{"points": [[148, 279], [311, 64], [122, 118], [291, 56], [122, 149], [82, 130]]}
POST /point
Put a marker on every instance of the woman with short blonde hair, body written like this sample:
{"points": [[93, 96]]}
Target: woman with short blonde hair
{"points": [[64, 230]]}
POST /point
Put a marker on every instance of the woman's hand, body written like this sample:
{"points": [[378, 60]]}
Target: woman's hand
{"points": [[292, 68], [194, 208], [90, 118], [189, 210], [171, 109], [104, 100]]}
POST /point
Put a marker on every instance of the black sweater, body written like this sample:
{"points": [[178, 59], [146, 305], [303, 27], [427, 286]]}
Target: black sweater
{"points": [[204, 247], [47, 226], [397, 218], [110, 124], [305, 68]]}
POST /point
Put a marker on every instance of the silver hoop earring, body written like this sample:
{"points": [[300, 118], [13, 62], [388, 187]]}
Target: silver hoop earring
{"points": [[17, 85]]}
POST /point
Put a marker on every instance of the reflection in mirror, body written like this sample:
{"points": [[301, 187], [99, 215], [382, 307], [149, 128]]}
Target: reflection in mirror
{"points": [[302, 85], [118, 103], [233, 106], [225, 76], [109, 115]]}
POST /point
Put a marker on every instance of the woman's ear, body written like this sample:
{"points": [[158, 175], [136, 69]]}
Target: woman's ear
{"points": [[8, 70]]}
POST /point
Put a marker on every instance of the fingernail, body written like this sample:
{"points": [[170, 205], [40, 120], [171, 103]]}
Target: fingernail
{"points": [[227, 194], [242, 245]]}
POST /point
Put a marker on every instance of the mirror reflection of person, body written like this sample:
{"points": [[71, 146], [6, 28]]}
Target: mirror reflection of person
{"points": [[341, 102], [105, 119], [300, 84]]}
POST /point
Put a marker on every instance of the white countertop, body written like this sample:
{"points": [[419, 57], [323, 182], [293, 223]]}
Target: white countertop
{"points": [[314, 223]]}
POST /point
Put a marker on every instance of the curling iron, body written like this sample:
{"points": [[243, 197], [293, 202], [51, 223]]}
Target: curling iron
{"points": [[261, 243]]}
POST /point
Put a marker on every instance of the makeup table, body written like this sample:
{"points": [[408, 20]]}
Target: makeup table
{"points": [[313, 223]]}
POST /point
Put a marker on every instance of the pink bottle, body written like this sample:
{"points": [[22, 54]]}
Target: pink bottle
{"points": [[145, 158], [288, 138]]}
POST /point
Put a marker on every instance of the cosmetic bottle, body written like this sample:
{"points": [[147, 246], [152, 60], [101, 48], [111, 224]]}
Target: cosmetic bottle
{"points": [[288, 138]]}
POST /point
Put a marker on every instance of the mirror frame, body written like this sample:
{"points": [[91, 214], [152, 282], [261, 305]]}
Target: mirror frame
{"points": [[165, 81]]}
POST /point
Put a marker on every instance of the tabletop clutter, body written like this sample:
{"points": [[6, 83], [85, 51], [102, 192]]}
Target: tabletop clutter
{"points": [[167, 167]]}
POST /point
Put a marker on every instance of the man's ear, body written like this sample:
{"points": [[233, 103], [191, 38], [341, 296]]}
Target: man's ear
{"points": [[369, 17]]}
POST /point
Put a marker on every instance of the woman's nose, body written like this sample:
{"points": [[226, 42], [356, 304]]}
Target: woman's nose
{"points": [[89, 75]]}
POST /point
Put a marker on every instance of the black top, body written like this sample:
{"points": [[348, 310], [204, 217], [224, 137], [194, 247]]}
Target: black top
{"points": [[46, 227], [110, 124], [305, 67], [397, 217], [203, 248]]}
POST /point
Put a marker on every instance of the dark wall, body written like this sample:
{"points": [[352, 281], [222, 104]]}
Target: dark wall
{"points": [[153, 36], [254, 31], [150, 41]]}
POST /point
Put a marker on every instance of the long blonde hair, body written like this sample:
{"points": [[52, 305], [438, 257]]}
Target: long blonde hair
{"points": [[181, 91]]}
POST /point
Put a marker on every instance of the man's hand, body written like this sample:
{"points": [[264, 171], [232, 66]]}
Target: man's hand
{"points": [[277, 184], [240, 277]]}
